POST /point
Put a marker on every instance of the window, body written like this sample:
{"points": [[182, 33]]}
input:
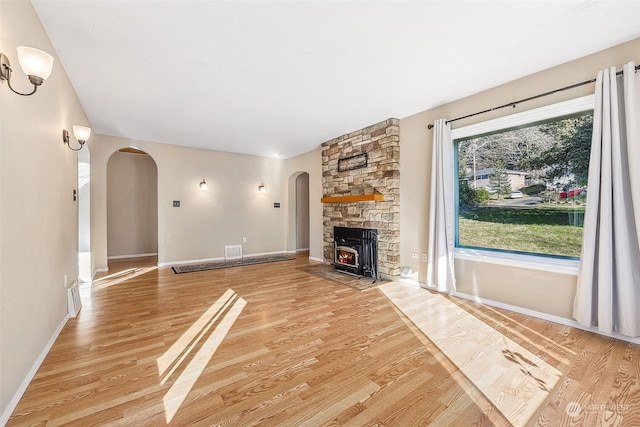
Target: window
{"points": [[522, 182]]}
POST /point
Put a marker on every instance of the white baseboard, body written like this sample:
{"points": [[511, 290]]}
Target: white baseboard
{"points": [[132, 256], [198, 261], [533, 313], [545, 316], [264, 254], [190, 261], [312, 258], [99, 270], [32, 373]]}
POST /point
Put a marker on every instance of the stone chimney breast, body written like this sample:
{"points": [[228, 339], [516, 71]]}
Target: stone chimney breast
{"points": [[365, 162]]}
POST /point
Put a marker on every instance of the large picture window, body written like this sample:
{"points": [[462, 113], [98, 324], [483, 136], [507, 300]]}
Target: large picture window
{"points": [[522, 181]]}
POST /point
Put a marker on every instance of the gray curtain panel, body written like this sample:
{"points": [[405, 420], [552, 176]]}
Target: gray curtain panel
{"points": [[608, 291]]}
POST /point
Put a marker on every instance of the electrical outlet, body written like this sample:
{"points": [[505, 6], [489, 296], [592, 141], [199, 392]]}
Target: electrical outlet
{"points": [[424, 257], [244, 240], [414, 255], [176, 203]]}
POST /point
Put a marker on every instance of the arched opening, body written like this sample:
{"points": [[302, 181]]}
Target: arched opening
{"points": [[132, 205], [298, 229], [302, 212]]}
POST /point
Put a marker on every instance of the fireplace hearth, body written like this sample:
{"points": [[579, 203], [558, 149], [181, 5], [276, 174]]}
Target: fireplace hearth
{"points": [[356, 250]]}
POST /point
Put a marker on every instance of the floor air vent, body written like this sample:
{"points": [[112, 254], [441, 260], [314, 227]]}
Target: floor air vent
{"points": [[233, 252]]}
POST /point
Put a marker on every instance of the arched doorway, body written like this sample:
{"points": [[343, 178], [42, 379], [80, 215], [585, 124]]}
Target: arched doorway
{"points": [[298, 229], [132, 205], [302, 212]]}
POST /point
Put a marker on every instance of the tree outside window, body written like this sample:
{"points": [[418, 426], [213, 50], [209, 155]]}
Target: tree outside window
{"points": [[537, 176]]}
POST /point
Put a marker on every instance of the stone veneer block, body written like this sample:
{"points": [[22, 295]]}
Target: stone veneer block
{"points": [[381, 142]]}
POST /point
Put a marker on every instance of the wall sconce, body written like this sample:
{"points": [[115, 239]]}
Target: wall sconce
{"points": [[203, 185], [262, 188], [36, 64], [82, 133]]}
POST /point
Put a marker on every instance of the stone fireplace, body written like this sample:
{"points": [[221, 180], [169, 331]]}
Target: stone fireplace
{"points": [[361, 189]]}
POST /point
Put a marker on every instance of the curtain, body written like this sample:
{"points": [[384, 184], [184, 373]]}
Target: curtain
{"points": [[440, 272], [608, 292]]}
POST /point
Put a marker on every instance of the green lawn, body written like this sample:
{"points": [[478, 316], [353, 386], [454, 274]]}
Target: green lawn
{"points": [[545, 230]]}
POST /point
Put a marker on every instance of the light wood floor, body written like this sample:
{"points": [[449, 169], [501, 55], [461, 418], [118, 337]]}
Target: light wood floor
{"points": [[273, 345]]}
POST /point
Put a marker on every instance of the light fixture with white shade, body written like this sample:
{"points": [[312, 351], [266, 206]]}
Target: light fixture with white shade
{"points": [[36, 64], [82, 134], [203, 185], [262, 188]]}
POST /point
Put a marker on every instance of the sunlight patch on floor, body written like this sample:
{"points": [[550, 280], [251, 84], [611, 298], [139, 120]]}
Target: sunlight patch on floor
{"points": [[225, 311], [188, 340], [539, 336], [515, 380], [119, 277]]}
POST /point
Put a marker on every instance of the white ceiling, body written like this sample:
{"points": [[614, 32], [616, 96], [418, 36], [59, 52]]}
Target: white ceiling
{"points": [[278, 78]]}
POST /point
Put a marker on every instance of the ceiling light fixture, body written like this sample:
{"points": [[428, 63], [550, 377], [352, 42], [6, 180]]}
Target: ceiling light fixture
{"points": [[203, 185], [36, 64], [262, 188], [82, 133]]}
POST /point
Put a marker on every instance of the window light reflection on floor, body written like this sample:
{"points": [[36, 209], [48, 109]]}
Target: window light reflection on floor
{"points": [[119, 277], [223, 314], [512, 378]]}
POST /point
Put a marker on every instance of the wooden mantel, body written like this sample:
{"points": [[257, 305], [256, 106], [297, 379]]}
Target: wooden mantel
{"points": [[375, 197]]}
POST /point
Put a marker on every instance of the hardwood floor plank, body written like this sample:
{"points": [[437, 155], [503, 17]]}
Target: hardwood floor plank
{"points": [[151, 348]]}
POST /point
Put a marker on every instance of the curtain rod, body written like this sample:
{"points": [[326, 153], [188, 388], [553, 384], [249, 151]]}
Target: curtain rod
{"points": [[514, 103]]}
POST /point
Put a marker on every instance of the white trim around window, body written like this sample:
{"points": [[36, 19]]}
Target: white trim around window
{"points": [[533, 262], [560, 109], [530, 261]]}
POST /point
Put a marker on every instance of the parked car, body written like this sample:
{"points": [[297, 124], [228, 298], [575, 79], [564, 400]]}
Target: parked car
{"points": [[573, 193], [516, 195]]}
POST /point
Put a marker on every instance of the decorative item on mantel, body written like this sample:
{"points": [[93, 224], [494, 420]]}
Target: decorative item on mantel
{"points": [[353, 162], [374, 197]]}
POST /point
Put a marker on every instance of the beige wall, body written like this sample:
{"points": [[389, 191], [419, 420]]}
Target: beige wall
{"points": [[232, 208], [38, 223], [206, 221], [545, 292], [132, 205]]}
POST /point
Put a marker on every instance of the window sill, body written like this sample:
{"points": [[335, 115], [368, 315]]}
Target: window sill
{"points": [[532, 262]]}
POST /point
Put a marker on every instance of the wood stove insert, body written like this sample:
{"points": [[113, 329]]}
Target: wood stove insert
{"points": [[356, 250]]}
